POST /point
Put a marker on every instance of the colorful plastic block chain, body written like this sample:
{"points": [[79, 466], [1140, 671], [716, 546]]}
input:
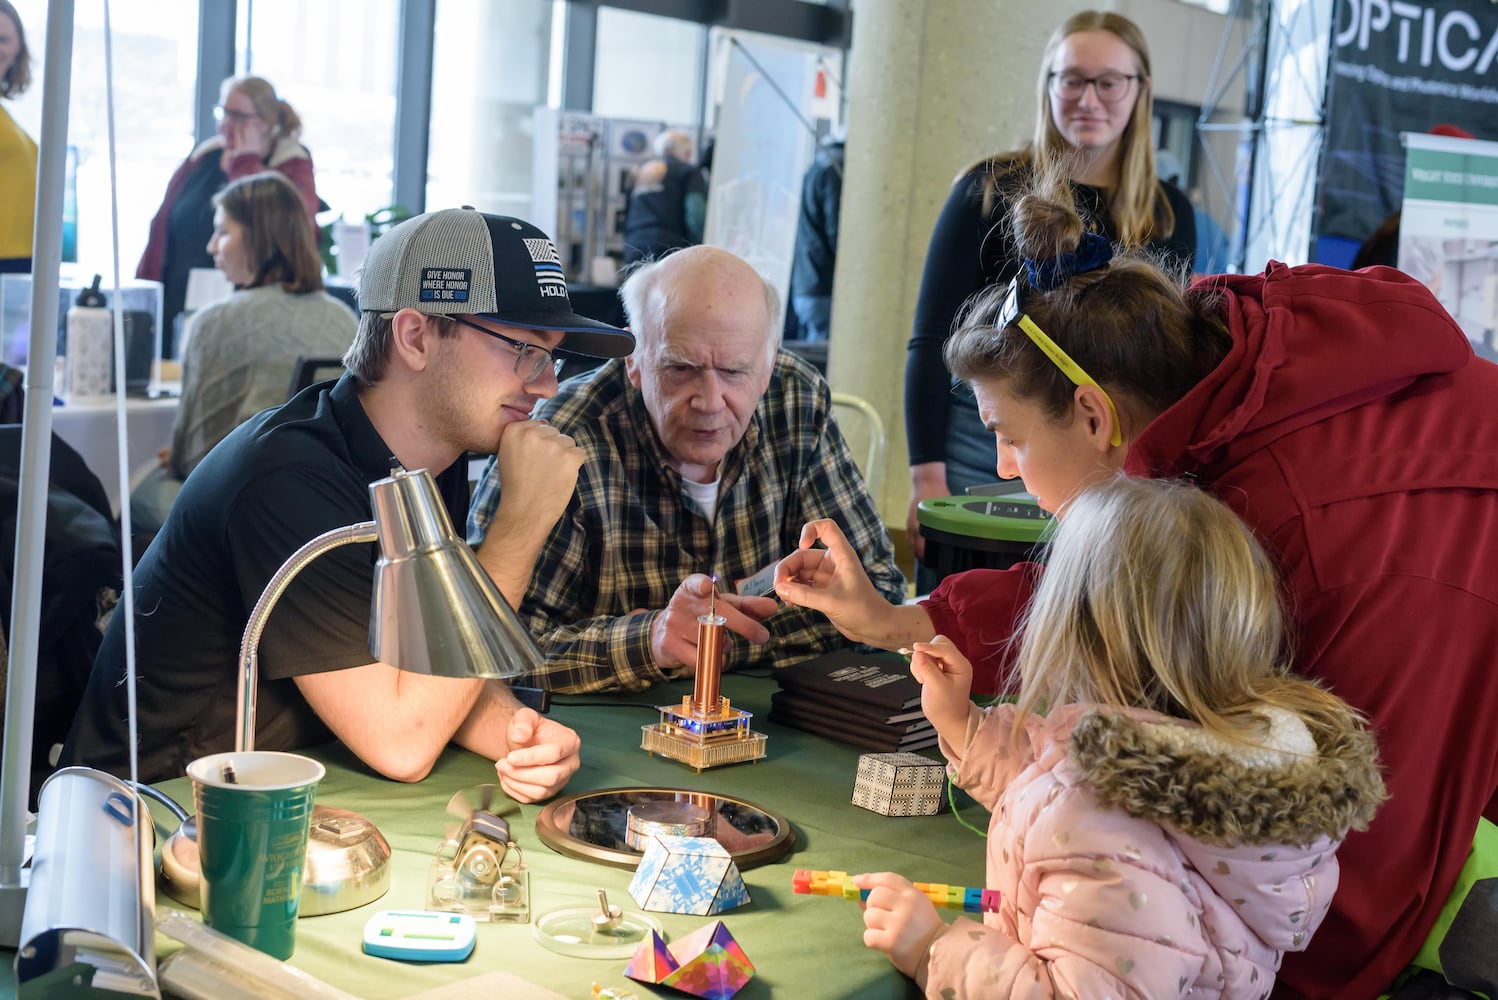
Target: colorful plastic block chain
{"points": [[953, 897]]}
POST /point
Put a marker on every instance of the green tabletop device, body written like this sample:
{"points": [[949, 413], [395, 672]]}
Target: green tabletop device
{"points": [[981, 532]]}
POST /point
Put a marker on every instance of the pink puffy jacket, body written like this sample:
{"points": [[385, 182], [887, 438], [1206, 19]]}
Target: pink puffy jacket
{"points": [[1139, 856]]}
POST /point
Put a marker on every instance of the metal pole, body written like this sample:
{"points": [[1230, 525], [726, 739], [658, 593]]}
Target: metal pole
{"points": [[36, 461], [1254, 100], [413, 84], [249, 665]]}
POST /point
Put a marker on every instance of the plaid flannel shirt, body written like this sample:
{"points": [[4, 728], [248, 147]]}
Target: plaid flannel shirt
{"points": [[630, 536]]}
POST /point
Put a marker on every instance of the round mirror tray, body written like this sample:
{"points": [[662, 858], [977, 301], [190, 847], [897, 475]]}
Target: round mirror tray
{"points": [[596, 826]]}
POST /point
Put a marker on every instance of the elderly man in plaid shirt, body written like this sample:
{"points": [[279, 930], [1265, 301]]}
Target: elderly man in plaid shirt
{"points": [[705, 453]]}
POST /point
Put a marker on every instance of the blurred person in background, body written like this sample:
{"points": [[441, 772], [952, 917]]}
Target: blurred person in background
{"points": [[1213, 253], [815, 257], [17, 149], [256, 130], [667, 201], [1382, 245], [239, 354]]}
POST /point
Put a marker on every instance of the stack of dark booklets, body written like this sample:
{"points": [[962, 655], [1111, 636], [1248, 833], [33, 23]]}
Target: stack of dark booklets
{"points": [[868, 700]]}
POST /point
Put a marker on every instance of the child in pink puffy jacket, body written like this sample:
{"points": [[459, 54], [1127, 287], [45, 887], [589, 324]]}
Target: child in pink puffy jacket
{"points": [[1168, 825]]}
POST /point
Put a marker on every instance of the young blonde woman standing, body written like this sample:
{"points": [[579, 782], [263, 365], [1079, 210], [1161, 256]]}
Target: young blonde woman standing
{"points": [[1095, 104]]}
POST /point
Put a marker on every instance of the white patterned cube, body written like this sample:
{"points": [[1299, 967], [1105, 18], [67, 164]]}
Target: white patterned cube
{"points": [[900, 784], [687, 875]]}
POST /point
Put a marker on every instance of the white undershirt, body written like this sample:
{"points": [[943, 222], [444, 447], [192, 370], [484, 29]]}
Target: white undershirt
{"points": [[703, 495]]}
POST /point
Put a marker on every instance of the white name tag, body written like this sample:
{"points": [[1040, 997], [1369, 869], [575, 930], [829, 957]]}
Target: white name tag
{"points": [[760, 583]]}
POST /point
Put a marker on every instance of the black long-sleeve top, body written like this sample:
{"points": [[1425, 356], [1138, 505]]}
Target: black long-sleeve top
{"points": [[970, 251]]}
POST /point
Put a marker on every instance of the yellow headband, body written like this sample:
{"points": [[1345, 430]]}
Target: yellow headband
{"points": [[1069, 368]]}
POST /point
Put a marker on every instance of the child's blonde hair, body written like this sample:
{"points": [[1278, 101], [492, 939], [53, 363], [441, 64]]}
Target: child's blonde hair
{"points": [[1157, 596]]}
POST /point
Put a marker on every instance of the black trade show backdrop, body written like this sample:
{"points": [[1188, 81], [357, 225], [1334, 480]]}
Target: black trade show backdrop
{"points": [[1397, 67]]}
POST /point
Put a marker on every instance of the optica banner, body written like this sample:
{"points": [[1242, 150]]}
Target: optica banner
{"points": [[1399, 67], [1448, 233]]}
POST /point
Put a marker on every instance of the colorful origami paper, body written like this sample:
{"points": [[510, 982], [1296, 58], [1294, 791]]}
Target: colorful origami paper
{"points": [[707, 963]]}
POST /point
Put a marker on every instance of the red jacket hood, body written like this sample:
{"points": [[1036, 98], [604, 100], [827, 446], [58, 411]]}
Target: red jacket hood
{"points": [[1300, 354]]}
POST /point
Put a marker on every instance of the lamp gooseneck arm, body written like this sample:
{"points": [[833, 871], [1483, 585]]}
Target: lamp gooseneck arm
{"points": [[249, 667]]}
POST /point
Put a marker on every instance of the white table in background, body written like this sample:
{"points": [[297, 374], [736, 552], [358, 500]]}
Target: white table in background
{"points": [[90, 427]]}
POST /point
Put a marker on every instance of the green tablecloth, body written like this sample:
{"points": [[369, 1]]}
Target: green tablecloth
{"points": [[801, 946]]}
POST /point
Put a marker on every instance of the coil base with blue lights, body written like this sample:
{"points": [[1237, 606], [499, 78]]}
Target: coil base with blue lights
{"points": [[705, 730], [703, 740]]}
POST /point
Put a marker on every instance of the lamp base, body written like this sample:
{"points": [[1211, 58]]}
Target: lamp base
{"points": [[348, 863]]}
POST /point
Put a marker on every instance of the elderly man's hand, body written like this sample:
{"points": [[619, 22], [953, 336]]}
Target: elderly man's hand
{"points": [[673, 634], [543, 755]]}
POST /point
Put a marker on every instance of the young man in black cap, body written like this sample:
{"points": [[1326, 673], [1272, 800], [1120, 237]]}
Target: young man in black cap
{"points": [[461, 312]]}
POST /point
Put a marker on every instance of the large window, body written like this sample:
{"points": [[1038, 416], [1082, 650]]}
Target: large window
{"points": [[648, 67], [155, 53], [491, 69], [334, 61]]}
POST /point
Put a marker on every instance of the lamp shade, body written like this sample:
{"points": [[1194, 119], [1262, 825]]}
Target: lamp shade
{"points": [[436, 611]]}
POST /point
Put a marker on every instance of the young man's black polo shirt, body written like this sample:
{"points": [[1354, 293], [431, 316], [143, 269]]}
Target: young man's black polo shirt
{"points": [[280, 479]]}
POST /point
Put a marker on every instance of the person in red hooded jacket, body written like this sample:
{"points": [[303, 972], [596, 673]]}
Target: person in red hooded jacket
{"points": [[1342, 416]]}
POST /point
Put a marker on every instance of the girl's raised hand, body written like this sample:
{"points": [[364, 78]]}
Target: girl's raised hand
{"points": [[898, 920], [946, 678]]}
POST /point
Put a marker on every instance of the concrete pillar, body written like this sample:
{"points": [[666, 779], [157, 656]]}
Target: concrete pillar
{"points": [[933, 85]]}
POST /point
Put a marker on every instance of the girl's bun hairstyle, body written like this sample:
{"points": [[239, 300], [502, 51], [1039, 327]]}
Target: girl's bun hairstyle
{"points": [[1129, 323], [1045, 219]]}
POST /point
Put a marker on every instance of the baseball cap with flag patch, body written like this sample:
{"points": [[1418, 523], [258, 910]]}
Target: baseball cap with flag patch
{"points": [[465, 262]]}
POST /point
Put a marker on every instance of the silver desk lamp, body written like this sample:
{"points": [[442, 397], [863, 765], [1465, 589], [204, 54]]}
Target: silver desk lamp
{"points": [[436, 612]]}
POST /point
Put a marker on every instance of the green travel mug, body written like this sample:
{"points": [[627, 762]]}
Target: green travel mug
{"points": [[254, 814]]}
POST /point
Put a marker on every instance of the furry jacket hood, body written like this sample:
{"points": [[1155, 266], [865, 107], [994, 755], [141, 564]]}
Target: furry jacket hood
{"points": [[1138, 855], [283, 150], [1208, 794]]}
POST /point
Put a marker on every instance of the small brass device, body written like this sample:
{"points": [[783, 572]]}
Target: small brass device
{"points": [[479, 869], [608, 917], [705, 730]]}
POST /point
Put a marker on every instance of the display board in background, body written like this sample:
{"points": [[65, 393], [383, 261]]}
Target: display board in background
{"points": [[1397, 68], [765, 143], [1448, 235]]}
